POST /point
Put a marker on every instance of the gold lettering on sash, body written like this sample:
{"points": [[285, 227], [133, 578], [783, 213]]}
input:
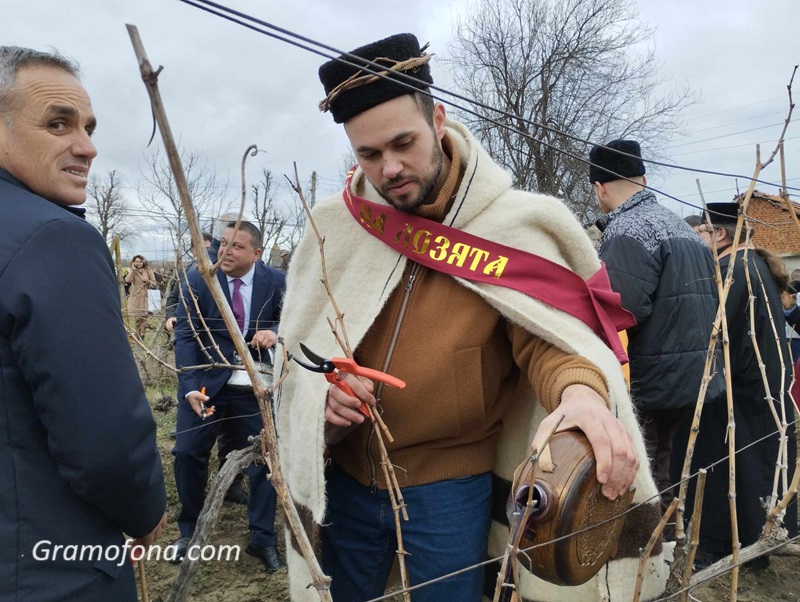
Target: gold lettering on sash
{"points": [[497, 266], [365, 217], [458, 254], [380, 223], [479, 255], [407, 231], [439, 252], [423, 248]]}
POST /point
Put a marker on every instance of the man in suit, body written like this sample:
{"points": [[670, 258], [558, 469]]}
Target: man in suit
{"points": [[78, 457], [255, 293], [226, 440]]}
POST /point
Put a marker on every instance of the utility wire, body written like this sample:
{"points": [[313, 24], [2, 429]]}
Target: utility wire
{"points": [[722, 148], [737, 107], [737, 121], [763, 127], [403, 80]]}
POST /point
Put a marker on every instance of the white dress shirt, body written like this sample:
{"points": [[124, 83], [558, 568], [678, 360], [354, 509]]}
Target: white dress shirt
{"points": [[246, 291]]}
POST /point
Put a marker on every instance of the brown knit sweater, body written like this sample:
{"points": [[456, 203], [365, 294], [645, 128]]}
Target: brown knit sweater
{"points": [[462, 362]]}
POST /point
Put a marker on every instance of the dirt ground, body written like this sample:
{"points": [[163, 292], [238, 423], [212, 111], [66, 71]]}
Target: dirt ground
{"points": [[243, 580], [246, 581], [781, 581]]}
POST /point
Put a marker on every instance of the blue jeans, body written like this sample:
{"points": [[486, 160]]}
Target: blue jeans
{"points": [[447, 530]]}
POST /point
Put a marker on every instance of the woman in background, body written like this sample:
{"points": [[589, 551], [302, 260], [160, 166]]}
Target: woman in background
{"points": [[141, 278]]}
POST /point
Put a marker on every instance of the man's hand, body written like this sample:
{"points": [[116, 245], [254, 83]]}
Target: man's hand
{"points": [[789, 300], [614, 453], [151, 537], [341, 409], [196, 400], [170, 324], [264, 339]]}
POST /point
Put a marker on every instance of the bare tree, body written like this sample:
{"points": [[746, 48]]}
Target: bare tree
{"points": [[281, 222], [158, 193], [106, 208], [268, 216], [568, 65], [296, 224]]}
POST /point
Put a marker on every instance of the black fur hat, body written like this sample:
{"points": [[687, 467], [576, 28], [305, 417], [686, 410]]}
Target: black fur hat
{"points": [[396, 48], [605, 161], [723, 213]]}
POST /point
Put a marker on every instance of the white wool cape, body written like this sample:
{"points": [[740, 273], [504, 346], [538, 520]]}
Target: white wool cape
{"points": [[363, 272]]}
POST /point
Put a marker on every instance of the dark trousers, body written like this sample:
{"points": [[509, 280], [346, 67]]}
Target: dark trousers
{"points": [[193, 443], [227, 442], [448, 530], [659, 428]]}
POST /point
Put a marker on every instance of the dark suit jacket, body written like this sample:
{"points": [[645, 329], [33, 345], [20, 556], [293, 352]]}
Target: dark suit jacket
{"points": [[78, 458], [269, 286]]}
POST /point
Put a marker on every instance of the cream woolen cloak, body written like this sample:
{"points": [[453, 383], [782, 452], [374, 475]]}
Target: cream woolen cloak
{"points": [[363, 272]]}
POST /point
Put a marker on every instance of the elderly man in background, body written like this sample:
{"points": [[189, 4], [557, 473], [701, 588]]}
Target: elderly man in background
{"points": [[78, 450], [753, 416]]}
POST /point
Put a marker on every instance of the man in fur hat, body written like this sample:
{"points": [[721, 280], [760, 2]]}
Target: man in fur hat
{"points": [[432, 258], [661, 268], [754, 313]]}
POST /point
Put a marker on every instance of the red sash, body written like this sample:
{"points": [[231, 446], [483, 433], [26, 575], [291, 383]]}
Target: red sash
{"points": [[457, 253]]}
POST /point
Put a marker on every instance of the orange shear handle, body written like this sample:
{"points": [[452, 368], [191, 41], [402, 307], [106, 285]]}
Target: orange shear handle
{"points": [[345, 364], [349, 366]]}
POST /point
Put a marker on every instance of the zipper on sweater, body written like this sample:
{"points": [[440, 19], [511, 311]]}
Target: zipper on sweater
{"points": [[392, 344]]}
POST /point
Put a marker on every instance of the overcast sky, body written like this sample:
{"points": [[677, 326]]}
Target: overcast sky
{"points": [[226, 87]]}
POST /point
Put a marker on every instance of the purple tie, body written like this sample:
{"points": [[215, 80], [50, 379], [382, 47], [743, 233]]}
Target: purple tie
{"points": [[237, 303]]}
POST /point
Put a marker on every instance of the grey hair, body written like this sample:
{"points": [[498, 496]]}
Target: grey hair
{"points": [[15, 58], [694, 220]]}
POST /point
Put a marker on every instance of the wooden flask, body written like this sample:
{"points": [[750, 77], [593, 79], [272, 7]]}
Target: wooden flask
{"points": [[567, 500]]}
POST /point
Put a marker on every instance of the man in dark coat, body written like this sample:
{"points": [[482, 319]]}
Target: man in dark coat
{"points": [[255, 293], [755, 466], [660, 268], [227, 439], [78, 458]]}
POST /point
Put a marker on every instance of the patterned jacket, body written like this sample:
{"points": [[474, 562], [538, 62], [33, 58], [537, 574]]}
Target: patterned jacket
{"points": [[664, 274]]}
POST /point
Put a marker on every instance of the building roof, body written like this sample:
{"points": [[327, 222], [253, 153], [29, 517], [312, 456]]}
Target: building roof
{"points": [[774, 227]]}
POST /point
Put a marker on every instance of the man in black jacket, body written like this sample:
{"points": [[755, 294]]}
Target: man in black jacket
{"points": [[753, 309], [78, 457], [661, 269]]}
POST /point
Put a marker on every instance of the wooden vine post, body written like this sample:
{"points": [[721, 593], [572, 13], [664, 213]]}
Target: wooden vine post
{"points": [[269, 441]]}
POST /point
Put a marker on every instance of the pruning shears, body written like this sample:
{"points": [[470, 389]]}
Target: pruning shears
{"points": [[205, 411], [336, 369]]}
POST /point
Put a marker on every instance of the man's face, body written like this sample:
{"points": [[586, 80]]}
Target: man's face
{"points": [[705, 232], [47, 145], [241, 253], [399, 151]]}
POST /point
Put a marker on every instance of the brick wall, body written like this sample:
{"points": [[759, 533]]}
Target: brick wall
{"points": [[783, 237]]}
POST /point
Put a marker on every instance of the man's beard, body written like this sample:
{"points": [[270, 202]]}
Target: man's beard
{"points": [[427, 184]]}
